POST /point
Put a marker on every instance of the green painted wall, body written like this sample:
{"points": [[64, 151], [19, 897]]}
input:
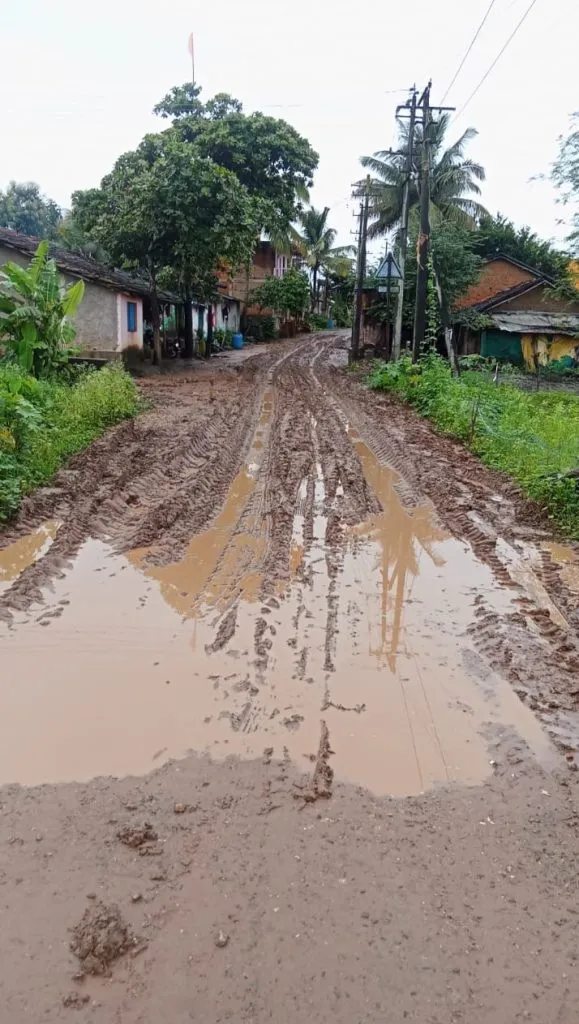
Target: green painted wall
{"points": [[501, 345]]}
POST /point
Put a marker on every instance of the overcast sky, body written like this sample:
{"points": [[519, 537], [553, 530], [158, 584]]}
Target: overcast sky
{"points": [[79, 80]]}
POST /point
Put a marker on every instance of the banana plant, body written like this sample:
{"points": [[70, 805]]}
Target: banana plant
{"points": [[35, 310]]}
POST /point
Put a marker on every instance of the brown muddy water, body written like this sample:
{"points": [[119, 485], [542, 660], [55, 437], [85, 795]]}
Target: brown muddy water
{"points": [[18, 556], [127, 664]]}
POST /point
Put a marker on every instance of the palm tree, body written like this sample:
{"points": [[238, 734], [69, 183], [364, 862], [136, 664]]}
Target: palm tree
{"points": [[316, 243], [453, 180]]}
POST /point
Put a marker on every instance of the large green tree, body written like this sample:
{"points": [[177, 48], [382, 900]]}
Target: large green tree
{"points": [[268, 156], [24, 208], [455, 263], [499, 235], [315, 239], [126, 216], [166, 209], [454, 180], [213, 219]]}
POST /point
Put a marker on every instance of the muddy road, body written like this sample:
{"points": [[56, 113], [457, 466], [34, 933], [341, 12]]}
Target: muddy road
{"points": [[290, 693]]}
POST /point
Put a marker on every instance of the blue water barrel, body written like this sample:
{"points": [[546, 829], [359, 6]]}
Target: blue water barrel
{"points": [[237, 341], [330, 325]]}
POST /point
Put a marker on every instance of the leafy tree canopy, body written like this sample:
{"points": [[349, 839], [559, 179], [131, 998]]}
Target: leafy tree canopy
{"points": [[268, 156], [287, 294], [499, 235], [24, 208], [166, 210], [454, 260], [163, 205]]}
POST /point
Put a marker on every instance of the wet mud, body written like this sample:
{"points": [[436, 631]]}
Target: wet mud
{"points": [[289, 695], [323, 588]]}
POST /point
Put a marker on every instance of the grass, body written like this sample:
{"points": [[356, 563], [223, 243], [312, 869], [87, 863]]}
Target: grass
{"points": [[43, 423], [532, 436]]}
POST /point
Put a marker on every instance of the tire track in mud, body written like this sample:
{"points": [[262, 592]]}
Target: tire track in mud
{"points": [[536, 648], [278, 603], [152, 481], [312, 471]]}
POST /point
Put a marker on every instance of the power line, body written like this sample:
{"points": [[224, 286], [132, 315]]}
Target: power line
{"points": [[472, 42], [497, 58]]}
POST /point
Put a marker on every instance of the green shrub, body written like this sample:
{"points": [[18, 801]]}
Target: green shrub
{"points": [[36, 307], [44, 423], [475, 362], [533, 436], [318, 321], [223, 336], [262, 328], [342, 314], [564, 367]]}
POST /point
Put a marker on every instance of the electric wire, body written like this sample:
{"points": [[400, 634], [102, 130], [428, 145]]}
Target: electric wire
{"points": [[497, 58], [472, 42]]}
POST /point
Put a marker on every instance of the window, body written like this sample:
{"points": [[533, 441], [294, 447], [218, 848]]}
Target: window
{"points": [[131, 317], [281, 264]]}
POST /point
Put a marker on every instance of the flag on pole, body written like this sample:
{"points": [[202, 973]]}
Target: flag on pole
{"points": [[192, 52]]}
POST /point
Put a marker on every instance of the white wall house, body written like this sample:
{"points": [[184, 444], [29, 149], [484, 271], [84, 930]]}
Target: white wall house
{"points": [[227, 315], [109, 321]]}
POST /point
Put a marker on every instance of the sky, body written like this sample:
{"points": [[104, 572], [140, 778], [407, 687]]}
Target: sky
{"points": [[79, 81]]}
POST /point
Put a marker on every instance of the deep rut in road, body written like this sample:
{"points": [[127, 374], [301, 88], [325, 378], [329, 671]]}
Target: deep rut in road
{"points": [[251, 565]]}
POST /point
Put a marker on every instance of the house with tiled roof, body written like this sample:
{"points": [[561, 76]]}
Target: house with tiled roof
{"points": [[109, 322], [524, 321]]}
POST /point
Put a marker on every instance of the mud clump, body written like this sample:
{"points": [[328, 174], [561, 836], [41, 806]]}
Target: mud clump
{"points": [[137, 836], [293, 722], [225, 632], [75, 1000], [100, 938], [321, 782]]}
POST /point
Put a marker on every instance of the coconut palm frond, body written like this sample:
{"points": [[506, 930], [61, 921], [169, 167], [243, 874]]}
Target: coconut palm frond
{"points": [[284, 238], [315, 241], [470, 207], [453, 179], [302, 192], [456, 151]]}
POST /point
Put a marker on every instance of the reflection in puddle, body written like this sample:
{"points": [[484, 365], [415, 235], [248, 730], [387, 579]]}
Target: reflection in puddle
{"points": [[568, 560], [402, 651], [22, 553], [402, 539], [219, 554], [140, 663]]}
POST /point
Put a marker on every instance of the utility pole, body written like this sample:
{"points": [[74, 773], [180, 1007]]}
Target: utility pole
{"points": [[361, 272], [424, 230], [397, 342], [423, 245]]}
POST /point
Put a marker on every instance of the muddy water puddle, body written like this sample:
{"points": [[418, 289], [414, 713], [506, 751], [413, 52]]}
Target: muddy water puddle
{"points": [[567, 558], [127, 664], [18, 556]]}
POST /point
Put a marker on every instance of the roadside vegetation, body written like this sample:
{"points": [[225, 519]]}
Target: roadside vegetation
{"points": [[50, 408], [534, 437]]}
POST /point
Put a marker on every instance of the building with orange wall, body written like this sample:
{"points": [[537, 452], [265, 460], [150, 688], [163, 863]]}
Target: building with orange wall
{"points": [[524, 320]]}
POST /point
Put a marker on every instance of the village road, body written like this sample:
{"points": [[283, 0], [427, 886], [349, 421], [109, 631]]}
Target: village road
{"points": [[290, 707]]}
